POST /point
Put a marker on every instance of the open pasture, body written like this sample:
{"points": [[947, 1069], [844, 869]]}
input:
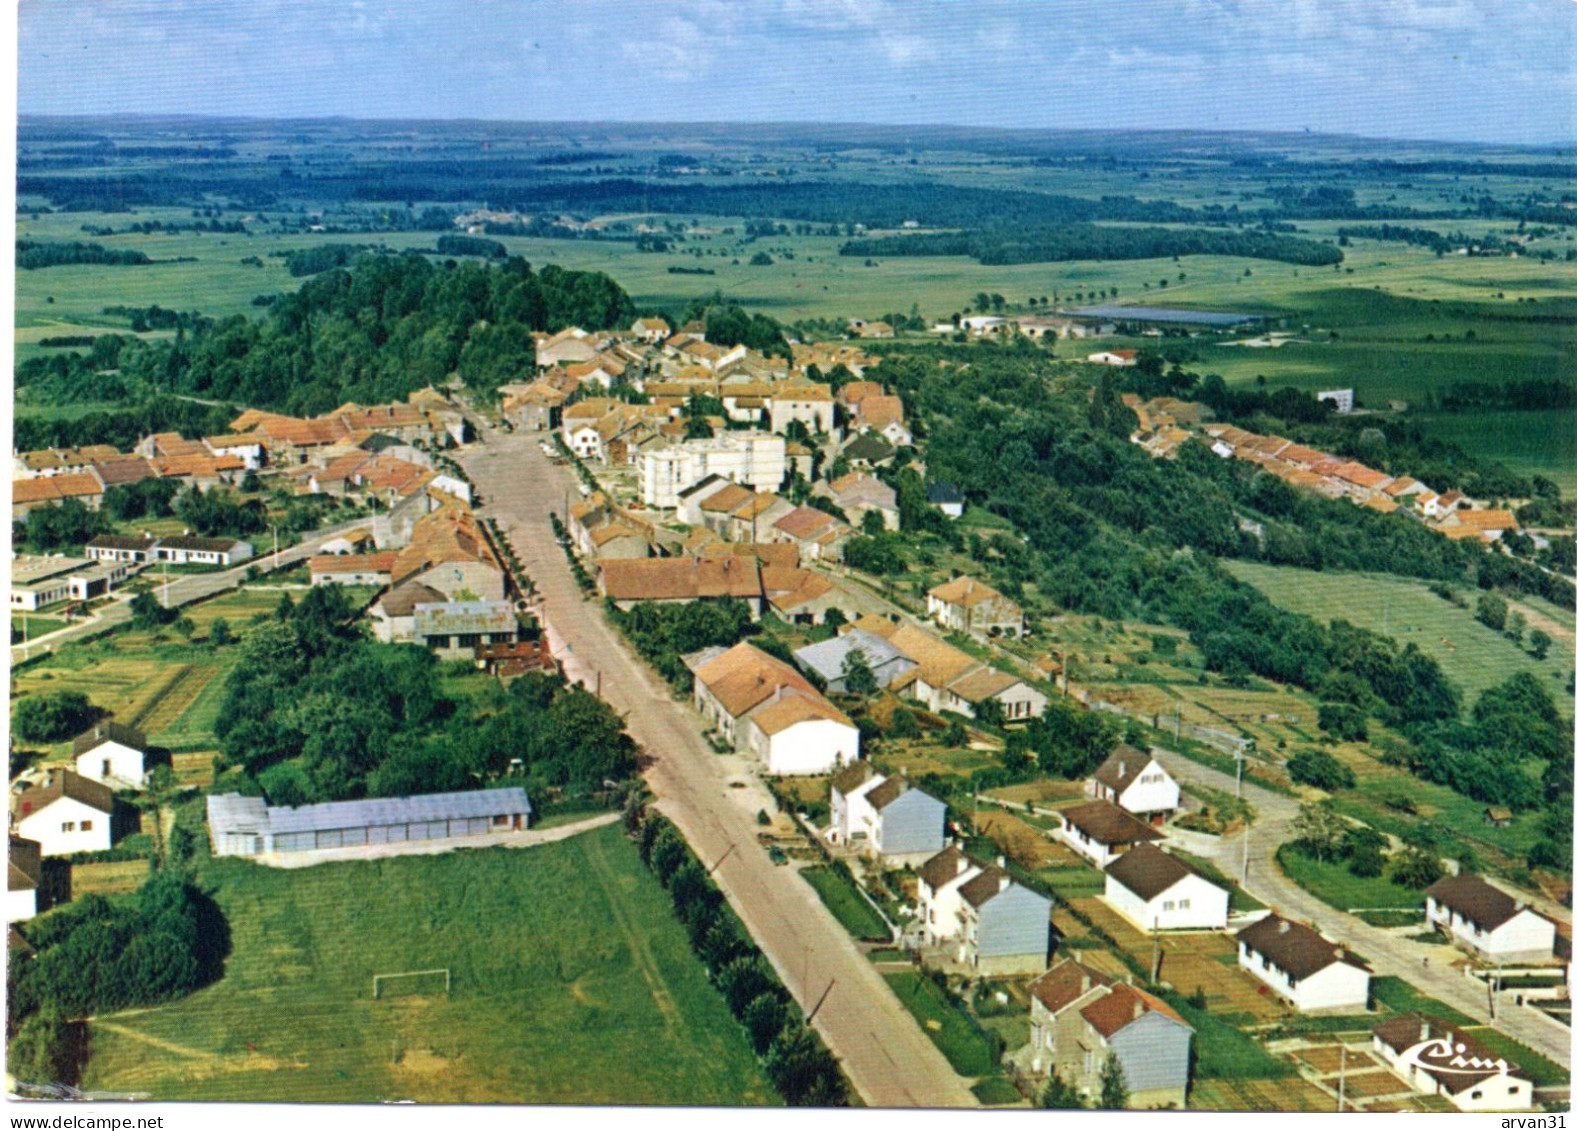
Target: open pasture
{"points": [[572, 983]]}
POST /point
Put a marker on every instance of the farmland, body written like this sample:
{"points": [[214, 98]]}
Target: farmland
{"points": [[1473, 656], [572, 982]]}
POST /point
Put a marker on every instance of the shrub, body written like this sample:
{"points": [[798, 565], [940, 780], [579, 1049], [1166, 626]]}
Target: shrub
{"points": [[52, 718], [1311, 766]]}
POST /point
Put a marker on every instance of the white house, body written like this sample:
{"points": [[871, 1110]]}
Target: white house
{"points": [[803, 734], [1437, 1059], [1136, 782], [23, 878], [112, 754], [66, 813], [885, 816], [1303, 967], [1158, 892], [187, 550], [1100, 832], [981, 916], [1340, 399], [941, 877], [1485, 921], [1122, 359]]}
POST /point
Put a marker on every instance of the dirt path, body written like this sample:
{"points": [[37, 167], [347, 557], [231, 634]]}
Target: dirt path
{"points": [[639, 950]]}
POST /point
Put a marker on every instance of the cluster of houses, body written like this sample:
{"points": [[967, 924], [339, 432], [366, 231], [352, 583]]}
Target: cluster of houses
{"points": [[257, 441], [1165, 424]]}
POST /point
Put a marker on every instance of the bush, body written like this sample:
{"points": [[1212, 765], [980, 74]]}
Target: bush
{"points": [[1311, 766], [53, 718]]}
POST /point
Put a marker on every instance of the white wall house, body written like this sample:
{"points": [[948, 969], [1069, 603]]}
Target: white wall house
{"points": [[1135, 781], [941, 877], [1303, 967], [66, 814], [112, 754], [1482, 919], [24, 873], [885, 816], [803, 734], [1158, 892], [1100, 832], [1436, 1059]]}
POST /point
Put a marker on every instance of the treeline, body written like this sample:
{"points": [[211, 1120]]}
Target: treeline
{"points": [[31, 255], [663, 634], [471, 245], [155, 317], [390, 326], [123, 427], [1532, 395], [313, 712], [1002, 247], [796, 1062], [148, 227], [304, 261], [98, 955]]}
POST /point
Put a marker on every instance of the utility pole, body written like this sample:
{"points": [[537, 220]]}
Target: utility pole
{"points": [[1341, 1083], [275, 529], [721, 858], [1244, 879], [1155, 950], [1240, 773], [165, 566]]}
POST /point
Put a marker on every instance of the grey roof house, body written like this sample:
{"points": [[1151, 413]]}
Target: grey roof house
{"points": [[826, 658]]}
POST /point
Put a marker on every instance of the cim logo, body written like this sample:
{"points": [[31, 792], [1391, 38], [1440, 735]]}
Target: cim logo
{"points": [[1443, 1052]]}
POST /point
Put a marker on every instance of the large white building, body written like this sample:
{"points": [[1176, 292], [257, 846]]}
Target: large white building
{"points": [[757, 460], [1303, 967]]}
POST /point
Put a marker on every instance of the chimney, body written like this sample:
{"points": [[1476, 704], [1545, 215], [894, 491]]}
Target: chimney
{"points": [[1283, 927], [1122, 769], [1138, 1009], [1084, 984], [1002, 861], [1002, 884], [1424, 1032]]}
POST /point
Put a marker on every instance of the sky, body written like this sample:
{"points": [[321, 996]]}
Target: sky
{"points": [[1460, 70]]}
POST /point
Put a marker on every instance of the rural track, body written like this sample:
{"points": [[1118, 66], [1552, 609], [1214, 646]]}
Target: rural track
{"points": [[1385, 952], [814, 956]]}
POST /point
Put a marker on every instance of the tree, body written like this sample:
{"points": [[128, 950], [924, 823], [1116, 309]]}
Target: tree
{"points": [[858, 679], [184, 627], [803, 1071], [1491, 611], [1114, 1085], [1415, 867], [219, 631], [1060, 1095], [1516, 625], [989, 712], [1539, 644], [148, 614], [763, 1019], [872, 523], [1312, 766], [1320, 829], [903, 724]]}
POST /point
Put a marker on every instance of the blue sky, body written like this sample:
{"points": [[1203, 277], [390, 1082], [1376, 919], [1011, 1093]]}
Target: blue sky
{"points": [[1481, 70]]}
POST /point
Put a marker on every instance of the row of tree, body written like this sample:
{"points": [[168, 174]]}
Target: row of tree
{"points": [[996, 246]]}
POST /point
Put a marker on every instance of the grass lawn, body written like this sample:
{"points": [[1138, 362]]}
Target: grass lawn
{"points": [[1543, 1071], [1398, 996], [572, 983], [858, 917], [1472, 656], [956, 1034], [34, 625], [1332, 883], [1239, 900]]}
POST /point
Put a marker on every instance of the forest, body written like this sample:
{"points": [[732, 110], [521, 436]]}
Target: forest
{"points": [[996, 247], [31, 255]]}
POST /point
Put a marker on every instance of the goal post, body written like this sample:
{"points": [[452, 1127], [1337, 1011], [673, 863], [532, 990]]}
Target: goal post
{"points": [[391, 983]]}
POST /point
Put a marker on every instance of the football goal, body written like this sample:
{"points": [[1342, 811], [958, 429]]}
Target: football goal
{"points": [[405, 983]]}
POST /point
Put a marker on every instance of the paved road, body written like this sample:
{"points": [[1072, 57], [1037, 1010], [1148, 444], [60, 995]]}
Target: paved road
{"points": [[183, 590], [887, 1057], [1386, 951]]}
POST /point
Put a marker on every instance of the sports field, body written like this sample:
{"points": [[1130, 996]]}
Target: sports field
{"points": [[1473, 656], [572, 983]]}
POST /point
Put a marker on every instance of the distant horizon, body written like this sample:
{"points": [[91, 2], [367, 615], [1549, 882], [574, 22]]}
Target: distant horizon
{"points": [[1488, 72], [786, 123]]}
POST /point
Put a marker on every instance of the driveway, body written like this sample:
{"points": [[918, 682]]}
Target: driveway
{"points": [[1419, 964], [889, 1060]]}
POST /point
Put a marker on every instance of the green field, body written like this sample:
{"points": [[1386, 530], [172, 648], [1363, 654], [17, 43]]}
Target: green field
{"points": [[1224, 1052], [1534, 443], [1332, 883], [847, 905], [1473, 656], [954, 1033], [572, 983]]}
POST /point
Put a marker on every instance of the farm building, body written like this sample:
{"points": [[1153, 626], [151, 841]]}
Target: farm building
{"points": [[248, 826]]}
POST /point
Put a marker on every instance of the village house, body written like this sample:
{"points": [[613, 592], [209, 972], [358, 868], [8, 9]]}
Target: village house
{"points": [[868, 449], [1485, 921], [860, 493], [1121, 359], [1080, 1018], [799, 596], [815, 533], [981, 917], [112, 754], [945, 498], [886, 817], [829, 658], [947, 679], [393, 615], [65, 813], [27, 495], [1156, 891], [189, 550], [38, 582], [454, 629], [352, 569], [650, 330], [569, 345], [808, 404], [448, 552], [1437, 1059], [535, 407], [627, 582], [967, 605], [24, 879], [1136, 782], [759, 703], [1101, 832], [1303, 967]]}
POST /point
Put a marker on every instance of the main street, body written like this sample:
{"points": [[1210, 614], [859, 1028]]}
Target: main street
{"points": [[889, 1060], [1387, 951]]}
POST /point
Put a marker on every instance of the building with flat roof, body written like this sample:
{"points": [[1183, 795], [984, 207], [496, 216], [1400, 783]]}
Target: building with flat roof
{"points": [[40, 581]]}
